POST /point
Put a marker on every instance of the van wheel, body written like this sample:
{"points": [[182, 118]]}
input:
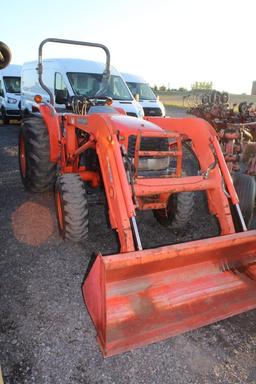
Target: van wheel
{"points": [[4, 118], [38, 173], [72, 207]]}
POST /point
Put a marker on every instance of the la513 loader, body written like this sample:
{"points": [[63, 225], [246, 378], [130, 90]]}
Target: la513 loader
{"points": [[140, 296]]}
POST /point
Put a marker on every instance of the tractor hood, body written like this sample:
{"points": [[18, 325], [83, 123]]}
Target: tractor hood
{"points": [[128, 125]]}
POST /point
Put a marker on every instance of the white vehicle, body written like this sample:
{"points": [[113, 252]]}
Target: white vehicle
{"points": [[10, 93], [73, 77], [144, 94]]}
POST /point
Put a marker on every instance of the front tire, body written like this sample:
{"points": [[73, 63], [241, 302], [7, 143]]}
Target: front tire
{"points": [[38, 173], [178, 212], [72, 207]]}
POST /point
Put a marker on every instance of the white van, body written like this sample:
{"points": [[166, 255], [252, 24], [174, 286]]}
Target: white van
{"points": [[10, 93], [144, 94], [73, 77]]}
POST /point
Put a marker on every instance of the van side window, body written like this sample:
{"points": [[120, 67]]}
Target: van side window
{"points": [[59, 83], [60, 89]]}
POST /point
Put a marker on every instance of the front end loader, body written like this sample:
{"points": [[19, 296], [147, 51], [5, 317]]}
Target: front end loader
{"points": [[140, 296]]}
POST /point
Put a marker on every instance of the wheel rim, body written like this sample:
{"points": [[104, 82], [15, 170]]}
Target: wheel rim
{"points": [[22, 157], [59, 210]]}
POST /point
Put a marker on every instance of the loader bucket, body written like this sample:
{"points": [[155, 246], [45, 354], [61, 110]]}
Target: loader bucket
{"points": [[141, 297]]}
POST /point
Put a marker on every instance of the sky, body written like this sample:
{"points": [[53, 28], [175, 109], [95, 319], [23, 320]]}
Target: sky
{"points": [[168, 42]]}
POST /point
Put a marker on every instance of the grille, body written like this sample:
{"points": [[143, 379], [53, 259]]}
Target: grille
{"points": [[148, 144], [148, 111], [13, 112]]}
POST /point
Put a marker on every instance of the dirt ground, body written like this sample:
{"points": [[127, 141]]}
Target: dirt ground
{"points": [[46, 335]]}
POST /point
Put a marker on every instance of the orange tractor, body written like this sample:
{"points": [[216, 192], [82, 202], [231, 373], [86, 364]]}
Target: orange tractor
{"points": [[141, 295]]}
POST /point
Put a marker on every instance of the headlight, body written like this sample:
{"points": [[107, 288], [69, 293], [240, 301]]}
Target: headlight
{"points": [[10, 100], [154, 164]]}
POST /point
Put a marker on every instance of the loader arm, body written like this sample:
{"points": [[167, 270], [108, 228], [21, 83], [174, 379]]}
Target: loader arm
{"points": [[117, 188]]}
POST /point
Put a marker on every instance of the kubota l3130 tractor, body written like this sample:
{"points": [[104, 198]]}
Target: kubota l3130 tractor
{"points": [[141, 296]]}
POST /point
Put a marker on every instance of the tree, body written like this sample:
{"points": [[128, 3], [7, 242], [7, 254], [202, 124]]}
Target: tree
{"points": [[162, 88], [182, 89]]}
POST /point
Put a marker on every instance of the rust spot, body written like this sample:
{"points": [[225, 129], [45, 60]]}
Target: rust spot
{"points": [[32, 223], [151, 198]]}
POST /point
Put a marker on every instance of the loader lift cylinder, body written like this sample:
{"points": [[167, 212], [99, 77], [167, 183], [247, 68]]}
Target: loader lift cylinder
{"points": [[136, 233]]}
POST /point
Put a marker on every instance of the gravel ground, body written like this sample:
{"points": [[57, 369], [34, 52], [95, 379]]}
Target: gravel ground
{"points": [[46, 334]]}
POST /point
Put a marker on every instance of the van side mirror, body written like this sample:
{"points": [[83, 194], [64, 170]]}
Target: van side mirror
{"points": [[61, 96], [1, 92]]}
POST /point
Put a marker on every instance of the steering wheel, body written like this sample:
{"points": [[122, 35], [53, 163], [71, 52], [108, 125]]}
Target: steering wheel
{"points": [[102, 100], [80, 105]]}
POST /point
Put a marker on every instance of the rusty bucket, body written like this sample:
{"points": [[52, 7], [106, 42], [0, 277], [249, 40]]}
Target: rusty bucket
{"points": [[141, 297]]}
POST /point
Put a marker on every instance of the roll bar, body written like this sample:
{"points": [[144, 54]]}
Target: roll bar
{"points": [[106, 73]]}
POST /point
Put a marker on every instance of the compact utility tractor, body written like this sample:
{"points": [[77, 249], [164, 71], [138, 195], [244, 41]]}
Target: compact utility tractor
{"points": [[141, 295]]}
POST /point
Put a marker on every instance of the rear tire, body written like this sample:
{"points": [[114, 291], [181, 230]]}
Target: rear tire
{"points": [[179, 210], [5, 55], [246, 190], [180, 206], [72, 207], [38, 173]]}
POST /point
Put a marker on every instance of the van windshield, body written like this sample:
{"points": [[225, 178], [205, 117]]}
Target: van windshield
{"points": [[142, 89], [12, 84], [87, 84]]}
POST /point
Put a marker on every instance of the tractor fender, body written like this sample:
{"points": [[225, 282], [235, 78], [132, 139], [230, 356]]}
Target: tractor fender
{"points": [[51, 121]]}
